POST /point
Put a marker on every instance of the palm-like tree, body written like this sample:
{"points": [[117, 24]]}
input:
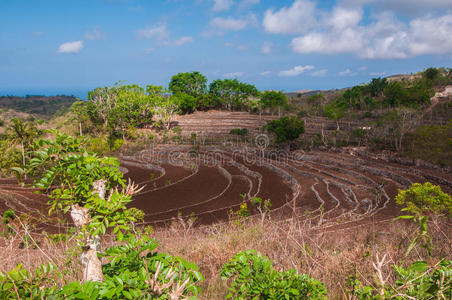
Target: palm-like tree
{"points": [[22, 133]]}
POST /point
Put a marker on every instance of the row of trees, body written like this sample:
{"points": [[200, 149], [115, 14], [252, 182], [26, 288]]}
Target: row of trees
{"points": [[117, 110]]}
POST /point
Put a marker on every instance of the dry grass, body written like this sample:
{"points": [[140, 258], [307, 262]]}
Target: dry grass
{"points": [[328, 256]]}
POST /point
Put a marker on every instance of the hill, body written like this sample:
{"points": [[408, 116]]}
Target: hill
{"points": [[42, 107]]}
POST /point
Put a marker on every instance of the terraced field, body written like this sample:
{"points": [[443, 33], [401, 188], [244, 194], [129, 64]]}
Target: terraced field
{"points": [[334, 189]]}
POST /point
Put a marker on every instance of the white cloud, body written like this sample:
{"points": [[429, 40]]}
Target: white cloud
{"points": [[265, 73], [267, 48], [183, 40], [347, 72], [71, 47], [384, 38], [297, 18], [219, 26], [95, 34], [222, 5], [377, 74], [242, 47], [158, 32], [234, 74], [297, 70], [319, 73]]}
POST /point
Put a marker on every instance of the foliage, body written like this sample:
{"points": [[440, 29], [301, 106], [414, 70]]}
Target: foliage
{"points": [[425, 199], [239, 131], [286, 128], [66, 167], [10, 158], [231, 94], [186, 103], [273, 99], [334, 111], [191, 83], [22, 133], [418, 281], [43, 106], [422, 200], [21, 284], [115, 109], [135, 269], [251, 276], [431, 143]]}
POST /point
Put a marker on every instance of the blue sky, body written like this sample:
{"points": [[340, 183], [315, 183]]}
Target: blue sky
{"points": [[56, 47]]}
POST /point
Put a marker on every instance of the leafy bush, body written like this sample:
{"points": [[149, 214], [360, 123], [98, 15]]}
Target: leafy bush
{"points": [[136, 270], [238, 131], [253, 277], [425, 199], [21, 284], [418, 281], [286, 128]]}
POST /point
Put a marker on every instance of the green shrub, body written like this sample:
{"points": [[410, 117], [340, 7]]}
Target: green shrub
{"points": [[286, 128], [252, 277], [418, 281], [239, 131]]}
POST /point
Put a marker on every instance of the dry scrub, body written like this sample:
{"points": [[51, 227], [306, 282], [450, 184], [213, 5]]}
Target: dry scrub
{"points": [[328, 256]]}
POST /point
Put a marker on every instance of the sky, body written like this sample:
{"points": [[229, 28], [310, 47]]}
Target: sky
{"points": [[72, 46]]}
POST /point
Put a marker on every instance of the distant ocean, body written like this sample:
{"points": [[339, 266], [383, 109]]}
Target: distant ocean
{"points": [[79, 93]]}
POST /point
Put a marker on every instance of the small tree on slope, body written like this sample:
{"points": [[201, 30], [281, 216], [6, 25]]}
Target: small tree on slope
{"points": [[91, 188]]}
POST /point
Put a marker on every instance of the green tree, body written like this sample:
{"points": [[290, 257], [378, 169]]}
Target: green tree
{"points": [[91, 188], [22, 133], [191, 83], [395, 94], [286, 128], [335, 112], [273, 99], [422, 201], [120, 107], [186, 103], [80, 111], [231, 93], [377, 86]]}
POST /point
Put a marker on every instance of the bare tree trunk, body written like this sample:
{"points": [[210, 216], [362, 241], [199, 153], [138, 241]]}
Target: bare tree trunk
{"points": [[279, 111], [92, 266], [23, 153], [80, 128]]}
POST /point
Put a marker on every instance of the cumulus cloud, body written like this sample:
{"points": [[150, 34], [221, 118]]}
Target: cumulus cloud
{"points": [[95, 34], [183, 40], [297, 18], [267, 48], [71, 47], [234, 74], [222, 5], [319, 73], [219, 25], [385, 37], [265, 73], [295, 71]]}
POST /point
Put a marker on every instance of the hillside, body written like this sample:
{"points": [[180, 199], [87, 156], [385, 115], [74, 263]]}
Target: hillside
{"points": [[43, 107]]}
